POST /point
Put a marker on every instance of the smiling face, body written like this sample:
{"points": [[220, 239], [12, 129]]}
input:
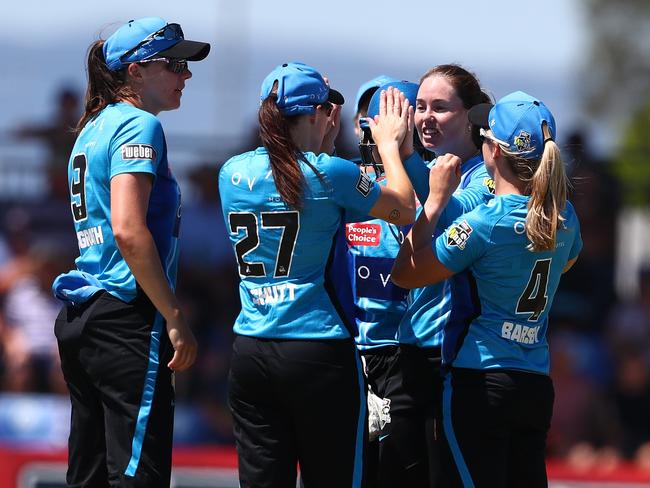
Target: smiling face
{"points": [[161, 89], [441, 118]]}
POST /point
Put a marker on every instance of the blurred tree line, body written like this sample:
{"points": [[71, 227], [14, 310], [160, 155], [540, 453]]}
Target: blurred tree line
{"points": [[618, 87]]}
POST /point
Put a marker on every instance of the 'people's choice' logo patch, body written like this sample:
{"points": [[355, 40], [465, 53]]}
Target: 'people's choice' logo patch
{"points": [[138, 151], [458, 234]]}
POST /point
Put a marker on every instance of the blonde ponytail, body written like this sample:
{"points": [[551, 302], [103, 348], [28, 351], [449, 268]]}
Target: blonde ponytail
{"points": [[548, 193]]}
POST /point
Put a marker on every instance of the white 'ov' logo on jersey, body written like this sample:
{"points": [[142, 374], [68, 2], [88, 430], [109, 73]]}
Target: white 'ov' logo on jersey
{"points": [[236, 179], [363, 272]]}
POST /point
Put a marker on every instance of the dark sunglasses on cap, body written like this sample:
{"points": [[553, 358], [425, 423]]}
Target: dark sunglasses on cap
{"points": [[173, 65], [169, 32]]}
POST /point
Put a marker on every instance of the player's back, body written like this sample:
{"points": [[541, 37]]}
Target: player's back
{"points": [[282, 253], [509, 289]]}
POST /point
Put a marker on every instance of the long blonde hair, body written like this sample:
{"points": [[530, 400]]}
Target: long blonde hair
{"points": [[547, 184]]}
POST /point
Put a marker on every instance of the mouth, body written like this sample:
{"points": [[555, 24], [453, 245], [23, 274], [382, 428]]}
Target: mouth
{"points": [[430, 132]]}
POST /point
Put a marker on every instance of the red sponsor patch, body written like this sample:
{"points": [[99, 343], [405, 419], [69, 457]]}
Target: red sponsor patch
{"points": [[363, 234]]}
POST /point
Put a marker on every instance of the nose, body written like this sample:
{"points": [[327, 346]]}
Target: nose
{"points": [[187, 74]]}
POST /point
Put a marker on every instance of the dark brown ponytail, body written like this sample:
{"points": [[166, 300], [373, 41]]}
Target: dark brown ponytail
{"points": [[284, 155], [104, 86]]}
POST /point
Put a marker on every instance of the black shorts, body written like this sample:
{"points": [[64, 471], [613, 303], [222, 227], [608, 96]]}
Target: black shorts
{"points": [[408, 453], [496, 423], [114, 358], [298, 402]]}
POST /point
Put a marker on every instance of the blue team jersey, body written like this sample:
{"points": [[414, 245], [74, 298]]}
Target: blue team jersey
{"points": [[502, 292], [121, 139], [429, 307], [285, 255], [379, 303]]}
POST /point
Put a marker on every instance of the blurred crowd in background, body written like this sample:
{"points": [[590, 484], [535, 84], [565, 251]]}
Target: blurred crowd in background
{"points": [[600, 342]]}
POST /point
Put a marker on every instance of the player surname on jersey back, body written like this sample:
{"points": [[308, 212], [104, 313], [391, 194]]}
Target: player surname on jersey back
{"points": [[90, 237], [270, 295]]}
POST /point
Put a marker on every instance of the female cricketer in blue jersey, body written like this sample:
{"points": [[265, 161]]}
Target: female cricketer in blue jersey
{"points": [[506, 258], [296, 386], [116, 357], [379, 306]]}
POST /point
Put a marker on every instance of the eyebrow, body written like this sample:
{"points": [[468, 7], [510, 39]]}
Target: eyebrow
{"points": [[437, 100]]}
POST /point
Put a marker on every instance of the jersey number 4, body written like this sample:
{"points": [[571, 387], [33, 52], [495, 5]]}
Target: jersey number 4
{"points": [[289, 222], [535, 297], [78, 188]]}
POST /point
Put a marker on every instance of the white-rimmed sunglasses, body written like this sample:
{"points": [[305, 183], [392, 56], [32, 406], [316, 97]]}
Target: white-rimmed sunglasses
{"points": [[487, 134]]}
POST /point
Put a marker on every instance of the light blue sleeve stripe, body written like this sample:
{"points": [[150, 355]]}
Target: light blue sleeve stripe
{"points": [[147, 397], [361, 427], [451, 436]]}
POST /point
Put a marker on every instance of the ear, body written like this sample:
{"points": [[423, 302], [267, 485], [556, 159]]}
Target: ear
{"points": [[496, 150], [134, 71]]}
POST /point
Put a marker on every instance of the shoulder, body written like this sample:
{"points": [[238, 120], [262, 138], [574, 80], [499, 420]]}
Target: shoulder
{"points": [[570, 216], [242, 161], [327, 163], [489, 216], [128, 114], [129, 120]]}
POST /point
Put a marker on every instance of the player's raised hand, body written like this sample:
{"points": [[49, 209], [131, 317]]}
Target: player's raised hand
{"points": [[444, 178]]}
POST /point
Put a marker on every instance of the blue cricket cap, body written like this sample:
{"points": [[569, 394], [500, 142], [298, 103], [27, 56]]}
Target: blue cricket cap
{"points": [[300, 89], [141, 39], [371, 85], [516, 120], [409, 89]]}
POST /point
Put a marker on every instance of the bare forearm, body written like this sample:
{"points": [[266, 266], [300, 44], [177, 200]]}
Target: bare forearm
{"points": [[139, 251], [396, 177]]}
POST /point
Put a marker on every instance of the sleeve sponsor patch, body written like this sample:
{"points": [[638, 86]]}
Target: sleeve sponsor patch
{"points": [[138, 151], [458, 234], [489, 183], [364, 185], [363, 234]]}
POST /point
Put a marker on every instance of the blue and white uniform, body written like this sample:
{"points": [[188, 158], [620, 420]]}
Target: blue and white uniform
{"points": [[283, 253], [108, 313], [137, 146], [379, 303], [497, 396], [502, 326], [429, 307]]}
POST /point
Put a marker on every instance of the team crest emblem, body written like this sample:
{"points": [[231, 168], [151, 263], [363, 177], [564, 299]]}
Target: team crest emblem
{"points": [[364, 184], [458, 235], [522, 141], [489, 183]]}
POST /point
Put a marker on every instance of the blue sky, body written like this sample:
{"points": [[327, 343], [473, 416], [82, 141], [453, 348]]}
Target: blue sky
{"points": [[509, 44]]}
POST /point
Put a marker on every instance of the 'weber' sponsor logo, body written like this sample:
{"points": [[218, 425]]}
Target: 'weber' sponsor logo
{"points": [[138, 151]]}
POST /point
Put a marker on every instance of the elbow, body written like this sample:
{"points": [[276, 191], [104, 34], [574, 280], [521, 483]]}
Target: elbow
{"points": [[405, 216], [126, 240]]}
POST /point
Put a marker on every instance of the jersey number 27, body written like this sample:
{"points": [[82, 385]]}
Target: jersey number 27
{"points": [[289, 222]]}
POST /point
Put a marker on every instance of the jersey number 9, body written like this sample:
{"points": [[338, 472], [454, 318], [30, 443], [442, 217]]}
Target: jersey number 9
{"points": [[78, 188]]}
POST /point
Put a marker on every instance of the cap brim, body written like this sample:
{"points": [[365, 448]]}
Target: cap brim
{"points": [[189, 50], [335, 97], [479, 115]]}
